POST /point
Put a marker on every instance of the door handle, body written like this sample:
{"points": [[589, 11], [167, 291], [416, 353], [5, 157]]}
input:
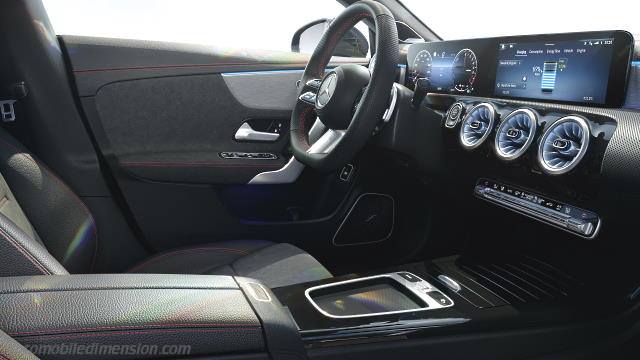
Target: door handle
{"points": [[246, 133]]}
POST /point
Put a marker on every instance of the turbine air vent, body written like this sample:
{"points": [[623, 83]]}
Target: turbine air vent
{"points": [[563, 145], [515, 134], [477, 125]]}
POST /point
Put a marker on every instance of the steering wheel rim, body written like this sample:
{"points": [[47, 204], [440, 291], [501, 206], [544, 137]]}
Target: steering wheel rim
{"points": [[338, 146]]}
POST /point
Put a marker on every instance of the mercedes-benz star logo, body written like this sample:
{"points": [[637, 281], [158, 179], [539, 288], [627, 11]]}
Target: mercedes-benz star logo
{"points": [[326, 90]]}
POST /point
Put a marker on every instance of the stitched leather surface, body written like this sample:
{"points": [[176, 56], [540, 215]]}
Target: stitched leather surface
{"points": [[11, 209], [10, 285], [12, 350], [274, 264], [65, 225], [213, 319], [23, 255]]}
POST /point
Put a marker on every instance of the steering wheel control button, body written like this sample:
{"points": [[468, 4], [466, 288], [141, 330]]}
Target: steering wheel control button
{"points": [[314, 83], [449, 282], [345, 173], [440, 298], [308, 97], [410, 277]]}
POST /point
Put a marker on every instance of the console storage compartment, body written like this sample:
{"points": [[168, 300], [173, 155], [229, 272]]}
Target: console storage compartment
{"points": [[376, 295]]}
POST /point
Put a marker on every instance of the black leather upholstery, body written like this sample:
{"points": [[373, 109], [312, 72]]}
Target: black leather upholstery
{"points": [[274, 264], [12, 350], [211, 314], [22, 255], [58, 215], [56, 233]]}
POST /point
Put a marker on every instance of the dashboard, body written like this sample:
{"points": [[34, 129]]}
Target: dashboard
{"points": [[590, 68], [540, 125]]}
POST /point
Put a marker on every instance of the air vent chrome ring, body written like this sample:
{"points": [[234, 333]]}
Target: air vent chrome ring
{"points": [[515, 134], [477, 125], [563, 145]]}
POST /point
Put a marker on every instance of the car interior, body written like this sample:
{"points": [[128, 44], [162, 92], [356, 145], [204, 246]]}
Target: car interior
{"points": [[441, 199]]}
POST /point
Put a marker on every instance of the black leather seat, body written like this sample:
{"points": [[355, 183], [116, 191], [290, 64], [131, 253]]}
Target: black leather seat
{"points": [[45, 228]]}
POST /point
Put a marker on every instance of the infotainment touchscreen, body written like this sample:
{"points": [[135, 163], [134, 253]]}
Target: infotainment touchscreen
{"points": [[589, 68], [575, 71]]}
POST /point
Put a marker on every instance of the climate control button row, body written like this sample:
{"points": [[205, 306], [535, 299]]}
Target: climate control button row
{"points": [[567, 217]]}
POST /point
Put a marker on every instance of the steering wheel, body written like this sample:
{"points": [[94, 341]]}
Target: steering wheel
{"points": [[348, 100]]}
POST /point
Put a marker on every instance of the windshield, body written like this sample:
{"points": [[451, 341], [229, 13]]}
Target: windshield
{"points": [[465, 19]]}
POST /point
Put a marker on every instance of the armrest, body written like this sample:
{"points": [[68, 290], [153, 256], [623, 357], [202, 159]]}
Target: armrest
{"points": [[207, 314]]}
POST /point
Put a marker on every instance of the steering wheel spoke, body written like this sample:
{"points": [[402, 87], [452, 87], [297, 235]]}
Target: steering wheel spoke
{"points": [[327, 142]]}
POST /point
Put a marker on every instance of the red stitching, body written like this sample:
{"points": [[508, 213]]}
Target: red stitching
{"points": [[302, 120], [157, 331], [62, 184], [24, 252], [118, 327], [201, 249], [191, 164], [169, 66]]}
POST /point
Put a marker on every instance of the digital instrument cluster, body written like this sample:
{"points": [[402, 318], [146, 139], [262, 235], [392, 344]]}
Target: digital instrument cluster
{"points": [[448, 68], [583, 68]]}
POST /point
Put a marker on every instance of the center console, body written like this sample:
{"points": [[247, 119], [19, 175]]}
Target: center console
{"points": [[478, 303]]}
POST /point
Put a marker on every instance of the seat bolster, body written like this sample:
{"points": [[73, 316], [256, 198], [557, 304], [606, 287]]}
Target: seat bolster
{"points": [[59, 216], [23, 255], [10, 349]]}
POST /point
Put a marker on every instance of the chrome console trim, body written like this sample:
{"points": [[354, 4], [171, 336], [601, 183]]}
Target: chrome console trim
{"points": [[419, 289]]}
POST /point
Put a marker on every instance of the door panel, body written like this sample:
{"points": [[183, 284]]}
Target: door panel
{"points": [[162, 114], [174, 129]]}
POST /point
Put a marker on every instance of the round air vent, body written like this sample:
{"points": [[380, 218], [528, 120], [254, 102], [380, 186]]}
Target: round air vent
{"points": [[515, 134], [477, 125], [563, 145]]}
